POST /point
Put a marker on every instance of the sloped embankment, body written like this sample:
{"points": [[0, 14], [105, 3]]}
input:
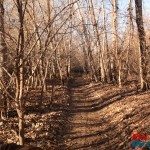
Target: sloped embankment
{"points": [[103, 117]]}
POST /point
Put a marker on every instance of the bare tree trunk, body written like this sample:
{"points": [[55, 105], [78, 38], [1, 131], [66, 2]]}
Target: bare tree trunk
{"points": [[142, 43], [130, 38], [105, 45], [116, 59], [86, 65], [70, 41], [20, 71], [3, 61], [101, 52]]}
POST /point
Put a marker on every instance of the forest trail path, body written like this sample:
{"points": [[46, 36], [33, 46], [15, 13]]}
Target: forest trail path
{"points": [[102, 117]]}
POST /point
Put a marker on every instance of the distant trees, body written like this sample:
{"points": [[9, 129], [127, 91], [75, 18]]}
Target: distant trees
{"points": [[116, 63], [94, 20], [105, 46]]}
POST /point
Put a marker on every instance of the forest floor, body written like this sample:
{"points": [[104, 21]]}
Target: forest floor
{"points": [[83, 117], [45, 119], [103, 117]]}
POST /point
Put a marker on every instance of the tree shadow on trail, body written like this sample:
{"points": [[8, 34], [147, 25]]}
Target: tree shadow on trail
{"points": [[100, 103], [90, 129]]}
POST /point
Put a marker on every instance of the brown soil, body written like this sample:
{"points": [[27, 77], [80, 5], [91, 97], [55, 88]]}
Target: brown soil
{"points": [[44, 120], [82, 117], [103, 117]]}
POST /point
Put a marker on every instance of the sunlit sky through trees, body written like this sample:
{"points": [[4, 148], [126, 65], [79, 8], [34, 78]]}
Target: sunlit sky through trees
{"points": [[122, 11], [146, 5]]}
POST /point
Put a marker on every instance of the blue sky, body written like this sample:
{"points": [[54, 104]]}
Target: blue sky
{"points": [[146, 5], [123, 5]]}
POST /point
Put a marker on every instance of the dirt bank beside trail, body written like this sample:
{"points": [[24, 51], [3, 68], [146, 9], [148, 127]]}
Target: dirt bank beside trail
{"points": [[103, 117]]}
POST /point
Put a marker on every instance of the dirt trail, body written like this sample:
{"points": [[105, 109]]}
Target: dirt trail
{"points": [[102, 117]]}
